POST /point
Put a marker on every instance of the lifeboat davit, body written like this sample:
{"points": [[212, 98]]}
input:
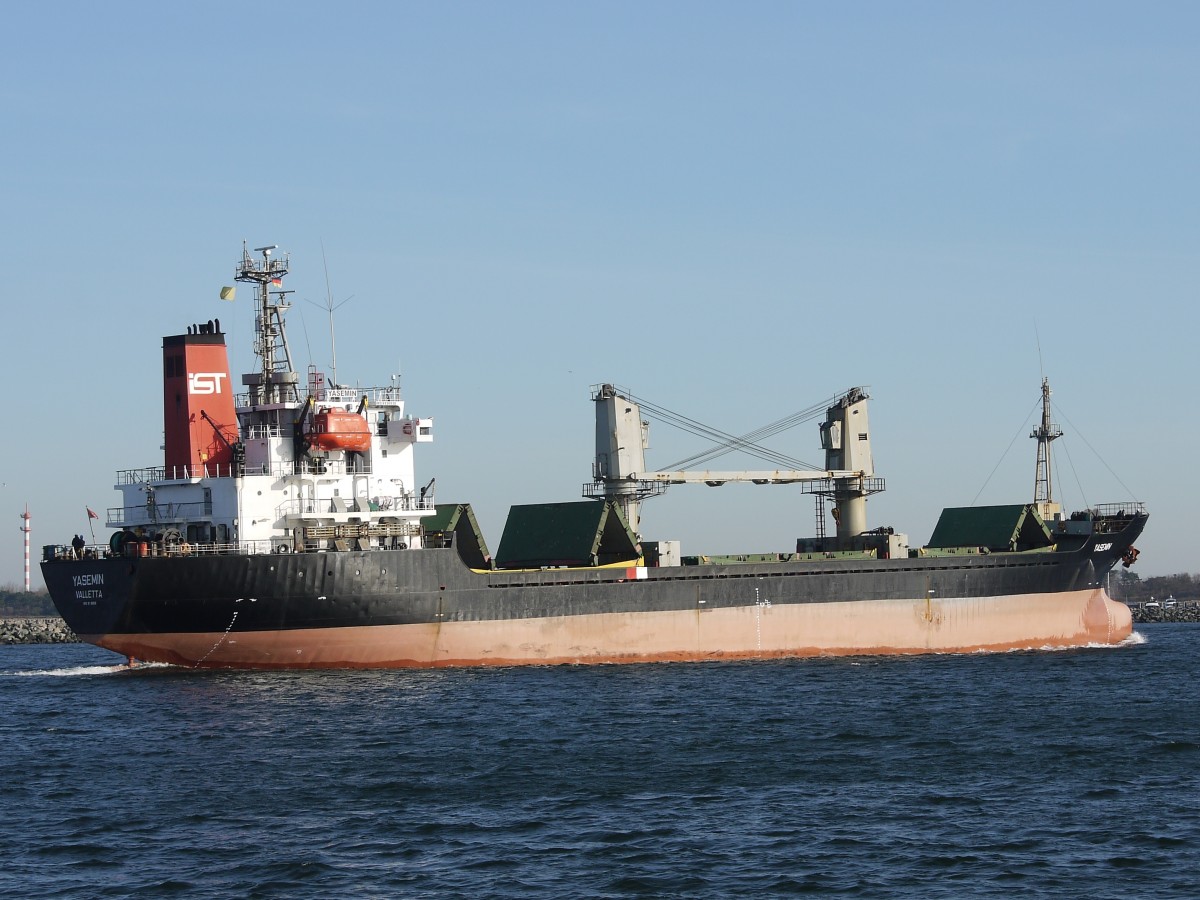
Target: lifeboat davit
{"points": [[339, 429]]}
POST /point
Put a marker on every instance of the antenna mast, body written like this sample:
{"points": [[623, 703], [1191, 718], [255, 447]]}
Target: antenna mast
{"points": [[330, 307], [278, 382]]}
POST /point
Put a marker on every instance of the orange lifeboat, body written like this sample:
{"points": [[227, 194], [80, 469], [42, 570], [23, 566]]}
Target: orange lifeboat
{"points": [[339, 429]]}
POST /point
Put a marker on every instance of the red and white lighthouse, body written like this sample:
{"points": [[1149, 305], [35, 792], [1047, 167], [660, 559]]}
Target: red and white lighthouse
{"points": [[25, 528]]}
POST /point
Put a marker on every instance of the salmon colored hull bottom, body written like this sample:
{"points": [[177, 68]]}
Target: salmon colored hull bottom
{"points": [[879, 627]]}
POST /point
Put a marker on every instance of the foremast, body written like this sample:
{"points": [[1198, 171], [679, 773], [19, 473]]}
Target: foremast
{"points": [[1043, 484]]}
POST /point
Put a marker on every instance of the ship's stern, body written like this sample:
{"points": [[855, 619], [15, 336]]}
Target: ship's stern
{"points": [[90, 594]]}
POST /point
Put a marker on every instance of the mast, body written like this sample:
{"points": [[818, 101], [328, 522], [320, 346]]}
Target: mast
{"points": [[278, 381], [1043, 485]]}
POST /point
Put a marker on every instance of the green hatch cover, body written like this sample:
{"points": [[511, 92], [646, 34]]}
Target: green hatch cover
{"points": [[998, 528], [581, 533], [459, 520]]}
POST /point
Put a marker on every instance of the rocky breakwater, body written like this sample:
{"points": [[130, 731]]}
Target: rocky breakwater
{"points": [[1166, 611], [36, 630]]}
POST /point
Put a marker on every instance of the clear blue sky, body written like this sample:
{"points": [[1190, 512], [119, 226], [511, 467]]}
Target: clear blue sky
{"points": [[735, 210]]}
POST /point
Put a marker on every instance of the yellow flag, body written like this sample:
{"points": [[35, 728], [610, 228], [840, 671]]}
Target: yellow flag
{"points": [[227, 293]]}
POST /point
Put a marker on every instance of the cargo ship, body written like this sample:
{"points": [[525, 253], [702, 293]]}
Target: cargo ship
{"points": [[287, 528]]}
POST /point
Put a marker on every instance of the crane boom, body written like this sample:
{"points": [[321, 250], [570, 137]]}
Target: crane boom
{"points": [[619, 471], [777, 476]]}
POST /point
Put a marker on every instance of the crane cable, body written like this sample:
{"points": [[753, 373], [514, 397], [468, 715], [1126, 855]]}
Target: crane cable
{"points": [[727, 443]]}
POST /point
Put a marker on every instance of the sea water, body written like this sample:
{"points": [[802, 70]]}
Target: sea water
{"points": [[1060, 774]]}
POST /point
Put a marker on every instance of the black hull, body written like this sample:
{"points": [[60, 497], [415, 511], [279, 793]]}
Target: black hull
{"points": [[112, 601]]}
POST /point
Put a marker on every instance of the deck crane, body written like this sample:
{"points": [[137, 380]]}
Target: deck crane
{"points": [[619, 471]]}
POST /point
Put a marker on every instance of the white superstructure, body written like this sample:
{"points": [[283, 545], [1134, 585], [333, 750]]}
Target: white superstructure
{"points": [[330, 468]]}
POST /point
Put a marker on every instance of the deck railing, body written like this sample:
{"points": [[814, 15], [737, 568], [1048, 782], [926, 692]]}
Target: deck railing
{"points": [[308, 506], [360, 465], [155, 513], [150, 549], [1119, 510]]}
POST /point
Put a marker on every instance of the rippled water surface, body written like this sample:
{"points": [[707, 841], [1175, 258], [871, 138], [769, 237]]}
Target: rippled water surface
{"points": [[1072, 774]]}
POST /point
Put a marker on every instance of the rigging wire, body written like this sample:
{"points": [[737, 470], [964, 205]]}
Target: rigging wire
{"points": [[1103, 462], [727, 443], [1057, 410], [751, 439], [692, 426], [1058, 477], [1006, 449], [307, 342], [1078, 483]]}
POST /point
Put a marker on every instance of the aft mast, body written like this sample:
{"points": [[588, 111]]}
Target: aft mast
{"points": [[278, 381]]}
